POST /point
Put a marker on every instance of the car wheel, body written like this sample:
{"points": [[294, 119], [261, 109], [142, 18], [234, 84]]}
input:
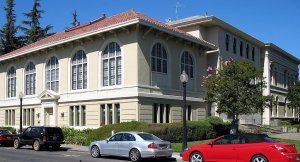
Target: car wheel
{"points": [[135, 155], [259, 158], [36, 145], [196, 157], [16, 144], [95, 151]]}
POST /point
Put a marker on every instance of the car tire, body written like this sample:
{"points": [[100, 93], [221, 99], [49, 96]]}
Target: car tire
{"points": [[259, 158], [196, 157], [95, 152], [36, 145], [16, 144], [135, 155]]}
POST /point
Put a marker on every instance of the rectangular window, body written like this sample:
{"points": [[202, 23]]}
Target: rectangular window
{"points": [[155, 111], [227, 42], [168, 110], [24, 117], [6, 117], [118, 115], [241, 48], [72, 116], [83, 117], [110, 111], [161, 114], [234, 45], [77, 116], [253, 54], [247, 51], [102, 114], [189, 113]]}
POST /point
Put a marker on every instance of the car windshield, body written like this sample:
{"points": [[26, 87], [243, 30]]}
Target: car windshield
{"points": [[5, 132], [259, 138], [148, 137]]}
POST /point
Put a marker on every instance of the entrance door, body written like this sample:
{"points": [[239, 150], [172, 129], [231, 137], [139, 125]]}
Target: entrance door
{"points": [[49, 117]]}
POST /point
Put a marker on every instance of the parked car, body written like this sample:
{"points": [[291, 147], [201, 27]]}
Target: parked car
{"points": [[135, 145], [242, 148], [6, 137], [40, 136]]}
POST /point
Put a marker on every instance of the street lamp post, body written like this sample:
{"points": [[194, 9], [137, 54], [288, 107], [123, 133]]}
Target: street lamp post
{"points": [[184, 80], [21, 95]]}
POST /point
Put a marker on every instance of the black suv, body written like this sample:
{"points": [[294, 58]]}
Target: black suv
{"points": [[40, 136]]}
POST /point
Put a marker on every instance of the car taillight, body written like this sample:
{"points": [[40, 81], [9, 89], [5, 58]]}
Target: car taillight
{"points": [[152, 145], [44, 138], [279, 148]]}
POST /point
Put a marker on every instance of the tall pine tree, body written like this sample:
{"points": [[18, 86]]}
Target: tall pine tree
{"points": [[9, 41], [75, 21], [34, 32]]}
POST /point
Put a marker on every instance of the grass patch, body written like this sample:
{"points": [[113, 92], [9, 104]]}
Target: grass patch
{"points": [[177, 147]]}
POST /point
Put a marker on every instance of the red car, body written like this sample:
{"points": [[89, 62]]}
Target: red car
{"points": [[242, 148], [6, 137]]}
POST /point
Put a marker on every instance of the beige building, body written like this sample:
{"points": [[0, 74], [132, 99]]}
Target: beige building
{"points": [[280, 67], [110, 70], [127, 67]]}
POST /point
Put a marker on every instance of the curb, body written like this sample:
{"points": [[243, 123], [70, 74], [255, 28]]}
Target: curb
{"points": [[71, 148]]}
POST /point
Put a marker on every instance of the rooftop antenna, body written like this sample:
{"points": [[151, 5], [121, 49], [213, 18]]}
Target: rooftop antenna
{"points": [[177, 8]]}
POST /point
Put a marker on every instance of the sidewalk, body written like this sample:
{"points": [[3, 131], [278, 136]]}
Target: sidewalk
{"points": [[86, 149]]}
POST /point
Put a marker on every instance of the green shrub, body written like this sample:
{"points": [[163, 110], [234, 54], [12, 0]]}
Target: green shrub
{"points": [[297, 126], [197, 130], [11, 129], [219, 126]]}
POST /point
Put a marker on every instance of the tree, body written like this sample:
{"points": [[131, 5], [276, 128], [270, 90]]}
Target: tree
{"points": [[9, 41], [35, 32], [293, 96], [236, 89], [75, 21]]}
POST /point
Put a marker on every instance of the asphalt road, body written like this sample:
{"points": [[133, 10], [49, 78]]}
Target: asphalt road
{"points": [[27, 154]]}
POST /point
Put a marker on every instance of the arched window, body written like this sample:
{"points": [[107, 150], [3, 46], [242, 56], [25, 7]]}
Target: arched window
{"points": [[187, 64], [112, 65], [159, 59], [52, 74], [11, 82], [30, 79], [79, 70]]}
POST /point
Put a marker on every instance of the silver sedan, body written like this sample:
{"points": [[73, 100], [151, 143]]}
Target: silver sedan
{"points": [[135, 145]]}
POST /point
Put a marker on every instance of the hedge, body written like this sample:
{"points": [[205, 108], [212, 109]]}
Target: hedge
{"points": [[197, 130]]}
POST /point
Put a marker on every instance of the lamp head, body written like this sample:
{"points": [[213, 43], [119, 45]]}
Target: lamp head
{"points": [[21, 95], [184, 77]]}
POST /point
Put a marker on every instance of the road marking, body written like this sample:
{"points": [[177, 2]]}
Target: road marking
{"points": [[9, 148], [71, 155]]}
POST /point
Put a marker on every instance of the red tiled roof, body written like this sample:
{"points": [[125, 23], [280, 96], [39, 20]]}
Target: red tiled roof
{"points": [[98, 24]]}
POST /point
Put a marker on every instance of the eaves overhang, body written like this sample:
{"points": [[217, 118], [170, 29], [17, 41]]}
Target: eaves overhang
{"points": [[278, 49], [207, 45]]}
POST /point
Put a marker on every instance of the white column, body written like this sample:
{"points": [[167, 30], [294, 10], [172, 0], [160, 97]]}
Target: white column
{"points": [[266, 90], [55, 114], [42, 116]]}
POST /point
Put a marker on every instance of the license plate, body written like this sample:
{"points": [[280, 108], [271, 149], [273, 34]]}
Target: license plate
{"points": [[8, 137]]}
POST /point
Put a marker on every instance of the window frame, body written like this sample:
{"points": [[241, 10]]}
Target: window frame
{"points": [[56, 70], [31, 90], [118, 70], [155, 58], [79, 63], [184, 64], [11, 82]]}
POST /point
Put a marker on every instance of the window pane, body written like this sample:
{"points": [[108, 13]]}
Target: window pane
{"points": [[153, 62], [119, 71], [165, 66], [158, 65]]}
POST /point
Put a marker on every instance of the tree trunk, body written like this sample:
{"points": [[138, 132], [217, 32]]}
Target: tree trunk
{"points": [[234, 124]]}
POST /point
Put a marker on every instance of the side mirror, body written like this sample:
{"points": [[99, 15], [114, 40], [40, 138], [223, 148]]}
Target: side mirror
{"points": [[211, 144]]}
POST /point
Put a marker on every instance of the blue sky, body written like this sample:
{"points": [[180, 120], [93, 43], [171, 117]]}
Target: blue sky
{"points": [[276, 21]]}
